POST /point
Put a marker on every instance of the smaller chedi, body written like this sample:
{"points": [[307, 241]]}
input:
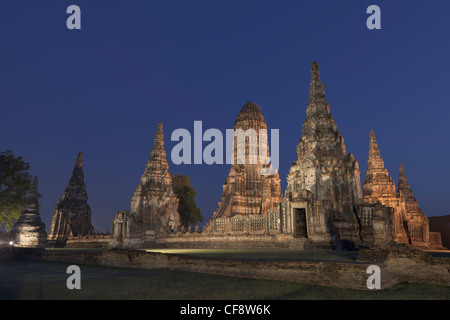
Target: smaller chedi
{"points": [[418, 225], [72, 214], [29, 230], [417, 222], [380, 187], [154, 206], [410, 225]]}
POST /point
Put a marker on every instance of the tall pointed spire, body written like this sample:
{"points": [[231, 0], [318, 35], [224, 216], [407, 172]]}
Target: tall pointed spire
{"points": [[154, 204], [316, 88], [158, 142], [32, 204], [79, 161], [378, 183], [412, 205], [319, 122], [72, 214], [322, 141], [379, 187], [158, 152], [76, 189], [375, 161], [324, 172], [402, 180], [158, 160]]}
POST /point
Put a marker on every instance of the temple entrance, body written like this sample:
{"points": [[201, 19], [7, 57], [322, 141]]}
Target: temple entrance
{"points": [[300, 223]]}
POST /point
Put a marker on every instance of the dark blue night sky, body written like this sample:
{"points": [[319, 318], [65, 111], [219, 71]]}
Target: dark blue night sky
{"points": [[103, 89]]}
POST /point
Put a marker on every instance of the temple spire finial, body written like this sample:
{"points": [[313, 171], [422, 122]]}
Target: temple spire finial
{"points": [[316, 88], [34, 186], [79, 161], [374, 151], [401, 170], [154, 203], [402, 180], [315, 68], [160, 128], [72, 213], [158, 141], [32, 204]]}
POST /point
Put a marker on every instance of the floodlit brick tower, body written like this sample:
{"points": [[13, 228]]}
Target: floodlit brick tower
{"points": [[246, 190], [379, 187], [323, 184], [154, 206]]}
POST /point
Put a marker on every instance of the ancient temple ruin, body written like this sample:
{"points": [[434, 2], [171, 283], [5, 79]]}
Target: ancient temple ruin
{"points": [[72, 214], [419, 233], [154, 206], [29, 230], [380, 187], [250, 198], [323, 184], [323, 207], [410, 224], [417, 221]]}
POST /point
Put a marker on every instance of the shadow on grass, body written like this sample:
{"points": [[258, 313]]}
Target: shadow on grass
{"points": [[44, 280]]}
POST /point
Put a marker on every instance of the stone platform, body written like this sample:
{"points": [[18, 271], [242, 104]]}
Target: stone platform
{"points": [[397, 265]]}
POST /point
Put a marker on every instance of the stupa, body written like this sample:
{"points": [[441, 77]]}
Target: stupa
{"points": [[379, 187], [29, 230], [72, 214], [154, 205]]}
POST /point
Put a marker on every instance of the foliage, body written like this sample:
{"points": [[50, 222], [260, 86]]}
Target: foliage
{"points": [[187, 208], [15, 182]]}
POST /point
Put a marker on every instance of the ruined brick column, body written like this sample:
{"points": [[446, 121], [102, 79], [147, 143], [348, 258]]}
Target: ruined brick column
{"points": [[29, 230], [72, 214]]}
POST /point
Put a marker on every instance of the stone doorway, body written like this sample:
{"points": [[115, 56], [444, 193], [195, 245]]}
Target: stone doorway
{"points": [[300, 228]]}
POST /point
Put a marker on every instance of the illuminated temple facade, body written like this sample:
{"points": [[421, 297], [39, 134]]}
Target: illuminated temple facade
{"points": [[250, 195], [323, 206]]}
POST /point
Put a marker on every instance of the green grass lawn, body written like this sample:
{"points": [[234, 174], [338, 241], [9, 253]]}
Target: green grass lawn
{"points": [[44, 280]]}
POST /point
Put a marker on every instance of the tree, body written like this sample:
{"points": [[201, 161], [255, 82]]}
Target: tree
{"points": [[15, 182], [187, 209]]}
